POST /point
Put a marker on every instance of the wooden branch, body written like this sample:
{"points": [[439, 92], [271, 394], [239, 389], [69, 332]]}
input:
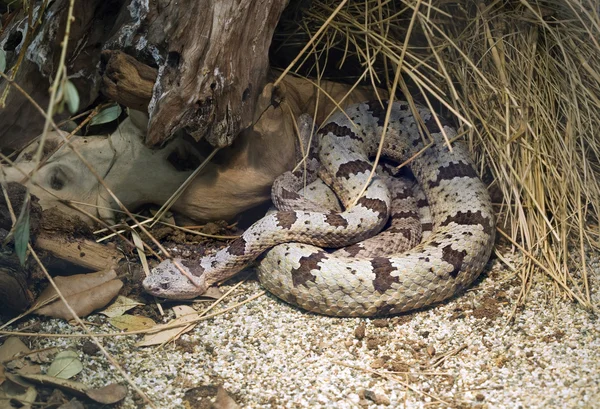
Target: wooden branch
{"points": [[81, 252], [126, 80]]}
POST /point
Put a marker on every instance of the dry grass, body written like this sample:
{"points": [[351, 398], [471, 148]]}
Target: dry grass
{"points": [[520, 78]]}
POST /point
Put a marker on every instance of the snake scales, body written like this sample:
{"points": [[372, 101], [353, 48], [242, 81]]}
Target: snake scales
{"points": [[296, 267]]}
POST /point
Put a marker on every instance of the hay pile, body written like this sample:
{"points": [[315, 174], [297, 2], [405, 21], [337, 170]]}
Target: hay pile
{"points": [[519, 77]]}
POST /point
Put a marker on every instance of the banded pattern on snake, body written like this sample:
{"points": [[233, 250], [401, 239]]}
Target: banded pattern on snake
{"points": [[298, 269]]}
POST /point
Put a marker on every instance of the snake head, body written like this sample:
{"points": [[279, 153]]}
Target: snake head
{"points": [[167, 281]]}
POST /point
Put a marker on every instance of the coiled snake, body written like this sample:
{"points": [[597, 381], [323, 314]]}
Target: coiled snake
{"points": [[297, 268]]}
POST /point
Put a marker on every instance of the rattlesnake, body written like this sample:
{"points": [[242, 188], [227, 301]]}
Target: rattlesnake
{"points": [[298, 270]]}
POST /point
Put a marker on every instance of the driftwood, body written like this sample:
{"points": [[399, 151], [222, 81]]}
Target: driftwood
{"points": [[210, 56], [70, 239], [126, 80]]}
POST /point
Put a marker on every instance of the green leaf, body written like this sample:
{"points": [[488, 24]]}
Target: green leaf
{"points": [[21, 234], [72, 97], [108, 114], [66, 365], [2, 60]]}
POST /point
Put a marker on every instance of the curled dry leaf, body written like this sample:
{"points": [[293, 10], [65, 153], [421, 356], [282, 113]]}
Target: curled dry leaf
{"points": [[84, 293], [121, 305], [212, 293], [224, 401], [132, 322], [17, 394], [72, 387], [213, 396], [12, 347], [44, 356], [185, 314], [109, 394]]}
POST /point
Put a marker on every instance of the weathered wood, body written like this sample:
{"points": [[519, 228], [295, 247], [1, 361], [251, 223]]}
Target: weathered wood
{"points": [[126, 80], [81, 252], [215, 70]]}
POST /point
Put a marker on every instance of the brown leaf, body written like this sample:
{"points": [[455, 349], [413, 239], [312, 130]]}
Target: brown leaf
{"points": [[84, 293], [75, 284], [128, 322], [12, 347], [43, 356], [111, 393], [184, 314], [209, 396], [213, 293], [19, 395], [224, 401], [72, 387], [121, 305]]}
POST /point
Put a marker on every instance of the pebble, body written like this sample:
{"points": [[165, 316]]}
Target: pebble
{"points": [[360, 331]]}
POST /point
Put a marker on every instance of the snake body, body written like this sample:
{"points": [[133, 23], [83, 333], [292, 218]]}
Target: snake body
{"points": [[297, 268]]}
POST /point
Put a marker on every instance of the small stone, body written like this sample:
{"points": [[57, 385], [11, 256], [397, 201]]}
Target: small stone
{"points": [[382, 399], [378, 363], [360, 331], [480, 397], [378, 398], [380, 323], [430, 350], [363, 402], [370, 395], [89, 348], [398, 366], [372, 343], [348, 343]]}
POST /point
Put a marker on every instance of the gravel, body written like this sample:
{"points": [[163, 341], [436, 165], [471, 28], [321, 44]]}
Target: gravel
{"points": [[465, 353]]}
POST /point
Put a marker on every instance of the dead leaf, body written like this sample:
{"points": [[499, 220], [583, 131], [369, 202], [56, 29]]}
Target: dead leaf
{"points": [[12, 347], [213, 293], [72, 404], [139, 246], [44, 356], [66, 365], [224, 401], [109, 394], [132, 322], [120, 306], [24, 395], [84, 293], [184, 314], [203, 396], [76, 283], [72, 387]]}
